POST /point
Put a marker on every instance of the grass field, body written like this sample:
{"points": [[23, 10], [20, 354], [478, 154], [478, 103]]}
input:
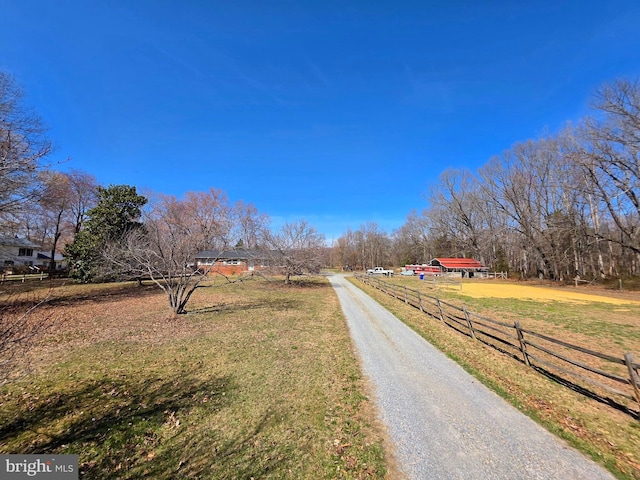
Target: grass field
{"points": [[600, 319], [604, 320], [258, 381]]}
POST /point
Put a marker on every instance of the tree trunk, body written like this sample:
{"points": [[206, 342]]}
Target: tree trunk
{"points": [[56, 236]]}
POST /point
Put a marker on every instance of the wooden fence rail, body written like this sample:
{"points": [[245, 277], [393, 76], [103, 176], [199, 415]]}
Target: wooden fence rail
{"points": [[606, 372], [23, 277]]}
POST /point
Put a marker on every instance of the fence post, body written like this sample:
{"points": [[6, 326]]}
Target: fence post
{"points": [[633, 375], [523, 344], [420, 302], [466, 315], [405, 295], [439, 309]]}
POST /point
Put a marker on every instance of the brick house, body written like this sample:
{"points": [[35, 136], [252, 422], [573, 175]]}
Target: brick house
{"points": [[231, 262]]}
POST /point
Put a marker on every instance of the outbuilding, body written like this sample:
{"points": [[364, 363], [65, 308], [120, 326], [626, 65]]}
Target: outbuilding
{"points": [[465, 267]]}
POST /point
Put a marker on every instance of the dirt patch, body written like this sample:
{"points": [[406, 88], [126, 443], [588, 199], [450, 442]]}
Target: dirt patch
{"points": [[540, 293]]}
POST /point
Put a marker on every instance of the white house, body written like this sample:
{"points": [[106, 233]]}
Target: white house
{"points": [[44, 258], [16, 252]]}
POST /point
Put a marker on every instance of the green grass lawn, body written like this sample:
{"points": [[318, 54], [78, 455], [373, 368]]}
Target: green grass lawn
{"points": [[259, 380]]}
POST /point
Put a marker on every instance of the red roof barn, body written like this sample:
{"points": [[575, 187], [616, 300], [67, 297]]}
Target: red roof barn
{"points": [[466, 266]]}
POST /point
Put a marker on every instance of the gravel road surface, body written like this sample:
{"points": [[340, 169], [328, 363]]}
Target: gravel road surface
{"points": [[443, 422]]}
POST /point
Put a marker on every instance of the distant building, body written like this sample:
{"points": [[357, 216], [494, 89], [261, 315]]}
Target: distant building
{"points": [[466, 267], [16, 252], [231, 262], [20, 252], [44, 259]]}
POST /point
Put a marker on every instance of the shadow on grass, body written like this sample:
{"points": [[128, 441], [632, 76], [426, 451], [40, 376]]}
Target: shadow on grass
{"points": [[98, 294], [278, 283], [587, 392], [109, 294], [111, 423], [307, 283], [280, 304], [209, 454], [159, 428]]}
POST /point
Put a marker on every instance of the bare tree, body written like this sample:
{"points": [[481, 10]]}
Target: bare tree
{"points": [[296, 249], [83, 197], [413, 241], [174, 231], [19, 329], [608, 152], [23, 144], [55, 205], [530, 185], [250, 225], [62, 208], [455, 209], [374, 245], [346, 252]]}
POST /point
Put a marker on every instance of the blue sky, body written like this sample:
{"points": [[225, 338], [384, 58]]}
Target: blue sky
{"points": [[339, 112]]}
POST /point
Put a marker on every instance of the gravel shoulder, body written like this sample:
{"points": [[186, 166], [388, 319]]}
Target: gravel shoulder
{"points": [[443, 422]]}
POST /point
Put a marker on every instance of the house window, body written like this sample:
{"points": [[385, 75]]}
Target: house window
{"points": [[25, 252], [232, 262]]}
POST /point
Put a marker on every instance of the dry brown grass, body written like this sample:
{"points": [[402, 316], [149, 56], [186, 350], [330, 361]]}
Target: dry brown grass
{"points": [[259, 380]]}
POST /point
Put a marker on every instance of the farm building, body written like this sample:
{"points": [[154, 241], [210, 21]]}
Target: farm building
{"points": [[424, 269], [466, 267], [231, 262]]}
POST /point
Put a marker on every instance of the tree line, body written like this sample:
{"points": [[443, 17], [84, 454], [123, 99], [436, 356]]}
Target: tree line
{"points": [[116, 233], [555, 207]]}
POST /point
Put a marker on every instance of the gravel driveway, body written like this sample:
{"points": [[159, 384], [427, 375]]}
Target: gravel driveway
{"points": [[443, 422]]}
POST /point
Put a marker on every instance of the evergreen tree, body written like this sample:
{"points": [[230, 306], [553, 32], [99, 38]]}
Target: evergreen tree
{"points": [[117, 213]]}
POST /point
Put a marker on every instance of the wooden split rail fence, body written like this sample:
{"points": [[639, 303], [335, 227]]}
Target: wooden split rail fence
{"points": [[23, 277], [615, 375]]}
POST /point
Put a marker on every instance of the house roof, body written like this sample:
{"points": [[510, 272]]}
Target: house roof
{"points": [[17, 242], [233, 254], [47, 256], [458, 263]]}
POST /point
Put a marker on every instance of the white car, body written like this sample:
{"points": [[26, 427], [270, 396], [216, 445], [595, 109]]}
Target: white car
{"points": [[379, 271]]}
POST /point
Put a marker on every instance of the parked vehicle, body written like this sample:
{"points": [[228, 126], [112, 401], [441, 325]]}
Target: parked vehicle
{"points": [[407, 272], [379, 271]]}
